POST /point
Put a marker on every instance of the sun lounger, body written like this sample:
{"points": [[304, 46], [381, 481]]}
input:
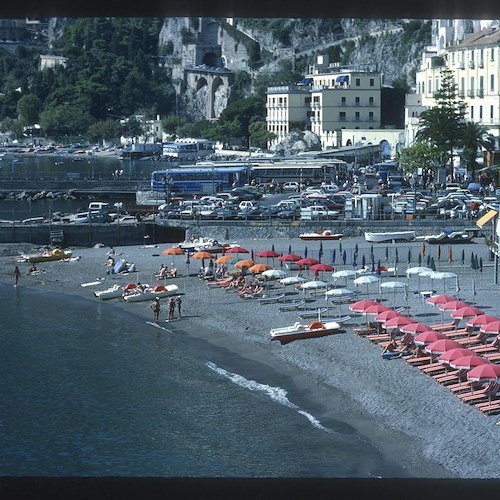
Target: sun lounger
{"points": [[444, 326], [450, 378], [422, 360], [490, 409], [464, 386], [313, 313], [271, 299], [432, 368], [489, 391], [493, 357], [292, 306]]}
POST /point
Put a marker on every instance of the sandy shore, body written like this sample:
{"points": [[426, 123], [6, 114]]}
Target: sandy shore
{"points": [[400, 408]]}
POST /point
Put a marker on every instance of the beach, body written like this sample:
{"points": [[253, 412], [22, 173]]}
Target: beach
{"points": [[344, 376]]}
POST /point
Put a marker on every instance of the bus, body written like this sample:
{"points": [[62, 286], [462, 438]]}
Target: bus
{"points": [[307, 173], [188, 149], [386, 168], [199, 179]]}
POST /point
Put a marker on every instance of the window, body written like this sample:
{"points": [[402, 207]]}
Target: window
{"points": [[480, 112], [492, 83], [316, 98], [342, 116], [307, 100], [372, 82], [356, 116], [343, 101], [491, 112], [492, 54], [453, 58], [429, 86], [472, 112], [370, 116], [358, 82], [370, 101], [356, 101]]}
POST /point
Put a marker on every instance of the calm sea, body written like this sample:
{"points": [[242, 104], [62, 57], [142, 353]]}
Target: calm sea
{"points": [[90, 390]]}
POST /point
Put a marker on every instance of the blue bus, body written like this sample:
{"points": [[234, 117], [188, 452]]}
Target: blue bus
{"points": [[200, 179], [386, 168]]}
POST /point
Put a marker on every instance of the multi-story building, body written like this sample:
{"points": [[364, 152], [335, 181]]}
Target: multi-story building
{"points": [[330, 98], [475, 63]]}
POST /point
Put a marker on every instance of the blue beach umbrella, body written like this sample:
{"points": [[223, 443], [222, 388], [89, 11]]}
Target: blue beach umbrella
{"points": [[305, 253], [272, 247], [363, 261], [320, 253], [289, 248], [373, 263], [340, 247], [354, 263], [334, 255], [396, 258], [378, 268], [344, 257]]}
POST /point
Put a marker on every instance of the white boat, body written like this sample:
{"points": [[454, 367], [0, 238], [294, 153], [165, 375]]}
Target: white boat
{"points": [[49, 255], [304, 331], [325, 235], [151, 293], [113, 292], [389, 236], [201, 244]]}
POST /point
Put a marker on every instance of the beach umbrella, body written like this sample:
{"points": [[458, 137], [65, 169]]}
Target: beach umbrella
{"points": [[397, 322], [344, 257], [452, 305], [340, 247], [393, 285], [376, 309], [354, 264], [305, 252], [480, 264], [289, 257], [432, 264], [463, 256], [292, 280], [244, 263], [344, 273], [339, 293], [484, 373], [372, 258], [225, 259], [409, 255], [267, 254], [258, 268], [272, 248], [441, 345], [383, 316], [290, 248], [450, 254], [252, 255], [306, 262], [363, 261], [310, 285], [334, 255], [416, 327], [320, 252], [396, 256], [319, 267], [371, 251], [428, 260], [492, 328], [438, 252], [422, 249], [202, 255], [366, 280], [386, 253], [428, 337], [481, 319], [173, 251], [466, 312], [361, 305], [274, 274], [236, 250], [453, 354], [416, 271], [419, 259], [444, 276], [468, 362], [436, 300]]}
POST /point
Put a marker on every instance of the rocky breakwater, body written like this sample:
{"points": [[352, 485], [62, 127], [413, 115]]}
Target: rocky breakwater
{"points": [[28, 195]]}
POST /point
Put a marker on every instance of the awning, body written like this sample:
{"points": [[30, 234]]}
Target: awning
{"points": [[485, 218], [342, 78], [306, 81]]}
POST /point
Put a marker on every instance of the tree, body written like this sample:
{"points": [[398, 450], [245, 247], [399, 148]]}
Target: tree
{"points": [[420, 155], [442, 125], [259, 135], [475, 137], [104, 130], [13, 126], [28, 109], [59, 121]]}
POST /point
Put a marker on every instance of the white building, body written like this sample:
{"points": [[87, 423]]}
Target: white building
{"points": [[475, 63], [329, 99]]}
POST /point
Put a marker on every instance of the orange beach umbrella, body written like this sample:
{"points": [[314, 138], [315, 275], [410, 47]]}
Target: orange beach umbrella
{"points": [[223, 259], [259, 268], [202, 255], [244, 263]]}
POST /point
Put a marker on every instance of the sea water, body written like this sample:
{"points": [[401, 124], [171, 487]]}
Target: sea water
{"points": [[89, 389]]}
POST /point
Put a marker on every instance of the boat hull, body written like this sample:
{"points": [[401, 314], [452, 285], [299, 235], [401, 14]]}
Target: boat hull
{"points": [[115, 292], [35, 258], [320, 237], [390, 236], [151, 294], [298, 331]]}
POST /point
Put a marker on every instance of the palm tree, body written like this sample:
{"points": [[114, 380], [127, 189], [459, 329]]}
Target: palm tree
{"points": [[475, 136]]}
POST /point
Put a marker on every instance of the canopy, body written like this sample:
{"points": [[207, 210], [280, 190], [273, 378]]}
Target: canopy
{"points": [[485, 218]]}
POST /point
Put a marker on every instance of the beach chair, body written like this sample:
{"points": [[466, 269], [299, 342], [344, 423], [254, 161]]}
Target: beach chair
{"points": [[490, 408], [488, 392], [422, 360], [445, 326]]}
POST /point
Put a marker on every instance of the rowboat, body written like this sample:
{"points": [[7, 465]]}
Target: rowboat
{"points": [[56, 254], [113, 292], [304, 331], [325, 235], [151, 293], [390, 236], [448, 238]]}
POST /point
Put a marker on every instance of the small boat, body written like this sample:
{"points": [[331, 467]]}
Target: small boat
{"points": [[202, 244], [448, 237], [390, 236], [113, 292], [301, 331], [151, 293], [56, 254], [325, 235]]}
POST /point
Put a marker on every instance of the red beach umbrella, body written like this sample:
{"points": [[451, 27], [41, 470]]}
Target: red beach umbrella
{"points": [[435, 300], [428, 337], [289, 257], [236, 249], [441, 345], [309, 261], [484, 373], [415, 328], [455, 353], [397, 322], [376, 309], [452, 305], [361, 305], [481, 320], [466, 312], [321, 267], [385, 315], [468, 362], [267, 254], [492, 328]]}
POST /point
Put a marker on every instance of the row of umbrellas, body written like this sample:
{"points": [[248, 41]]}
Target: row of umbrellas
{"points": [[448, 351]]}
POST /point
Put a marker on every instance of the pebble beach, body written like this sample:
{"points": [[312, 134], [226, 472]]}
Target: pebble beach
{"points": [[403, 410]]}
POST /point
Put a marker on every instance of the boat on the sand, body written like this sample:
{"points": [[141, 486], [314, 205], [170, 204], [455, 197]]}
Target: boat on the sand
{"points": [[390, 236], [150, 293], [447, 237], [55, 254], [304, 331], [202, 245], [325, 235]]}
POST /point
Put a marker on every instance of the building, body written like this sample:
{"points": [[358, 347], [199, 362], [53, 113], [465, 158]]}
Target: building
{"points": [[475, 63], [330, 98], [51, 61]]}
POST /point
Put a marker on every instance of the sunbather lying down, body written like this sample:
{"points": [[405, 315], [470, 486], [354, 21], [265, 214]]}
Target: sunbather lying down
{"points": [[392, 350]]}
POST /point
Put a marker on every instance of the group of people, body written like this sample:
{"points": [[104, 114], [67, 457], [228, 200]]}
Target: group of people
{"points": [[173, 303], [165, 272]]}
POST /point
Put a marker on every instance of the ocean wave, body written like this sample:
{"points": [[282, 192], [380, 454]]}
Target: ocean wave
{"points": [[277, 394]]}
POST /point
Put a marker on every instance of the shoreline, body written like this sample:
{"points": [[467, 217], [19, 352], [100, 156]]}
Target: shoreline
{"points": [[390, 403]]}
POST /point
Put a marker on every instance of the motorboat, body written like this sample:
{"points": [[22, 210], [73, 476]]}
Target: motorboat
{"points": [[325, 235], [304, 331], [113, 292], [55, 254], [150, 293], [448, 237], [390, 236], [202, 244]]}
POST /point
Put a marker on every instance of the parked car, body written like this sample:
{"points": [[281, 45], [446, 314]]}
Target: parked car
{"points": [[227, 213], [289, 213], [291, 186]]}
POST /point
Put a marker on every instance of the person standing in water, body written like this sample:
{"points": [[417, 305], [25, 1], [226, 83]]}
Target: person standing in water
{"points": [[156, 309], [16, 273]]}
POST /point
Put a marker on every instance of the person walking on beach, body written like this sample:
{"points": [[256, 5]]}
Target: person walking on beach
{"points": [[171, 308], [156, 309], [178, 301], [16, 273]]}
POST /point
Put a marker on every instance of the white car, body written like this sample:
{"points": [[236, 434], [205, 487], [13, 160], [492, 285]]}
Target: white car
{"points": [[291, 186], [126, 219]]}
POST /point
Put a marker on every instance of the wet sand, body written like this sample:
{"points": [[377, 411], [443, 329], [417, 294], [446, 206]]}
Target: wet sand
{"points": [[400, 409]]}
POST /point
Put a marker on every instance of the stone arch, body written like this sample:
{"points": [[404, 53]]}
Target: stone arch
{"points": [[219, 94], [348, 142], [201, 82], [211, 60], [223, 61], [385, 148]]}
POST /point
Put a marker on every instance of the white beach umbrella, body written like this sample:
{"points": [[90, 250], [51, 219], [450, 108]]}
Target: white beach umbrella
{"points": [[440, 275], [417, 271], [309, 285], [394, 285], [344, 273], [339, 293], [274, 274], [292, 280], [366, 280]]}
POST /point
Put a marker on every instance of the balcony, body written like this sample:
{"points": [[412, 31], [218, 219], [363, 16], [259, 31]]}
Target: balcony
{"points": [[471, 93], [480, 64], [461, 65], [471, 64], [480, 93]]}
